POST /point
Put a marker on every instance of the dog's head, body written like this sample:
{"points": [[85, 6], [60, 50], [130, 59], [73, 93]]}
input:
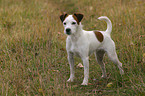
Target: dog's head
{"points": [[71, 22]]}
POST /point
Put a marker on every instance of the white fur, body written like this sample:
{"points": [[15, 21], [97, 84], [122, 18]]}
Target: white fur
{"points": [[83, 43]]}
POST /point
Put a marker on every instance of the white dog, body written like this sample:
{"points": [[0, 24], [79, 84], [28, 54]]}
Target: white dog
{"points": [[83, 43]]}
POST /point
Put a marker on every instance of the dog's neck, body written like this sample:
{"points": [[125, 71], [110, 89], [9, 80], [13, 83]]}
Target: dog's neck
{"points": [[78, 33]]}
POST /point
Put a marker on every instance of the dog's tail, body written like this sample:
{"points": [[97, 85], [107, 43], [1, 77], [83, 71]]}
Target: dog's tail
{"points": [[109, 24]]}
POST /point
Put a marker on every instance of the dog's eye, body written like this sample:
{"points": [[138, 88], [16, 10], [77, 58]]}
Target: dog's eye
{"points": [[73, 23], [64, 23]]}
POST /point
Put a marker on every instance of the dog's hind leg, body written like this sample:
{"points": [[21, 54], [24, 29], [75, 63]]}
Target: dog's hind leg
{"points": [[99, 57], [111, 52]]}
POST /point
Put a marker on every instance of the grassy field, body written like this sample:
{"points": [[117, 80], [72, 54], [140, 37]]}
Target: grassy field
{"points": [[33, 58]]}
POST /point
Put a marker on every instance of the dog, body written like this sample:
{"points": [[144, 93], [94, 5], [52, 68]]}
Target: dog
{"points": [[83, 43]]}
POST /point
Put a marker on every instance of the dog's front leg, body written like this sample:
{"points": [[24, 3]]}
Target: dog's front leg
{"points": [[71, 63], [86, 70]]}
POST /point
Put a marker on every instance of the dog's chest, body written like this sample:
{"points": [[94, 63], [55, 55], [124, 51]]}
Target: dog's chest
{"points": [[76, 50]]}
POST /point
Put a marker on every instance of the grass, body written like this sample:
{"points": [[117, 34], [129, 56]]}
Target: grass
{"points": [[33, 58]]}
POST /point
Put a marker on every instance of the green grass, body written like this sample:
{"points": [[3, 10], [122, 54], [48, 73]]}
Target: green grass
{"points": [[33, 58]]}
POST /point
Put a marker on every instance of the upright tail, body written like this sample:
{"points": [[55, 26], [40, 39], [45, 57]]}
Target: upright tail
{"points": [[109, 24]]}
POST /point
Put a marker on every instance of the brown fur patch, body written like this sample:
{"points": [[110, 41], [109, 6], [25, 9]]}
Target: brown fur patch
{"points": [[99, 35], [76, 19], [63, 16]]}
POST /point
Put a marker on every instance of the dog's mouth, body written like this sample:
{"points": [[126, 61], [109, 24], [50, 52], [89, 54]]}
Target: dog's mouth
{"points": [[68, 33]]}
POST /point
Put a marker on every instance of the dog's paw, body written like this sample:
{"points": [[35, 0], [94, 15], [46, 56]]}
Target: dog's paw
{"points": [[84, 83], [121, 72], [70, 80], [104, 76]]}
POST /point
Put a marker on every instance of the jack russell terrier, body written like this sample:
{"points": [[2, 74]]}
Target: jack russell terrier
{"points": [[83, 43]]}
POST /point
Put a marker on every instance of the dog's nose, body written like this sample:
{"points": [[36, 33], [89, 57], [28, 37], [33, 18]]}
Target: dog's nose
{"points": [[68, 30]]}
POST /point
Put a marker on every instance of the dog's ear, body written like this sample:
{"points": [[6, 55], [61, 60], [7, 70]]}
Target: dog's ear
{"points": [[63, 16], [79, 16]]}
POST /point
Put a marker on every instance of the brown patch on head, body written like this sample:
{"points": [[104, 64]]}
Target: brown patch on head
{"points": [[63, 16], [99, 35], [78, 17]]}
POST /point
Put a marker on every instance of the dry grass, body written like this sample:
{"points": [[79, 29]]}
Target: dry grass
{"points": [[32, 47]]}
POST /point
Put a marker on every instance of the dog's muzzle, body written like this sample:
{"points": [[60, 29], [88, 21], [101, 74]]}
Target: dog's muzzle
{"points": [[68, 31]]}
